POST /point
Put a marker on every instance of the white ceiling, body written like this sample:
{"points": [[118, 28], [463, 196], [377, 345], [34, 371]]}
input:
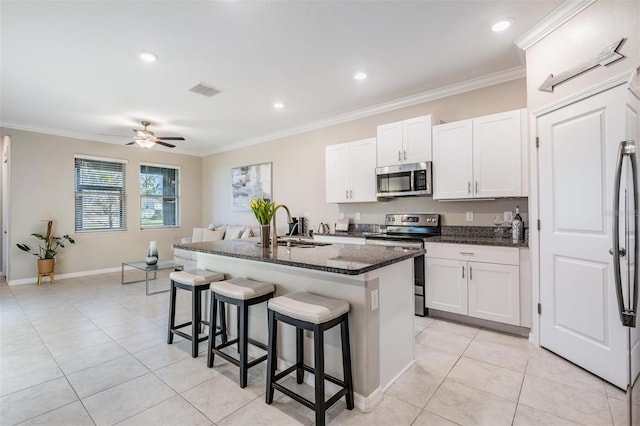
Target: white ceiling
{"points": [[72, 68]]}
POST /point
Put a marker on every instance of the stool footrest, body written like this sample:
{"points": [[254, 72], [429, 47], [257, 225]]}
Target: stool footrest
{"points": [[301, 399], [236, 361], [310, 404], [175, 327], [309, 369]]}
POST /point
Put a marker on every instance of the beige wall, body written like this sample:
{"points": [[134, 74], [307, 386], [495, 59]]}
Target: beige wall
{"points": [[599, 25], [299, 176], [42, 187]]}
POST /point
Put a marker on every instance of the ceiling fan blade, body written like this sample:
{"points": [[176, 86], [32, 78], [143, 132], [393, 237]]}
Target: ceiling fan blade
{"points": [[177, 138], [130, 143], [165, 144]]}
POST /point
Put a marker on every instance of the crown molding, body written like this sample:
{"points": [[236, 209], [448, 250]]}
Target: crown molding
{"points": [[551, 22], [431, 95]]}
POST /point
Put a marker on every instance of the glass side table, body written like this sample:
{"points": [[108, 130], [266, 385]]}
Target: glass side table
{"points": [[162, 265]]}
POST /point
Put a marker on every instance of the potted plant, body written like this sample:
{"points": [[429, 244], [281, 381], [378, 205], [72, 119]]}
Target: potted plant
{"points": [[49, 245], [264, 211]]}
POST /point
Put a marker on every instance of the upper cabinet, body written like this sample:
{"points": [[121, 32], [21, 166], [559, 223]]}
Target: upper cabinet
{"points": [[350, 172], [402, 142], [482, 157]]}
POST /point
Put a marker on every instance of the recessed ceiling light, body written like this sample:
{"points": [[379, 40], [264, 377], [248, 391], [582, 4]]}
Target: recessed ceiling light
{"points": [[501, 25], [148, 56], [360, 76], [278, 105]]}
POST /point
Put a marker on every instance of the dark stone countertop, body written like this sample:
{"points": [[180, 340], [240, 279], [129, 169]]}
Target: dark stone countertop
{"points": [[348, 259], [464, 235], [479, 241]]}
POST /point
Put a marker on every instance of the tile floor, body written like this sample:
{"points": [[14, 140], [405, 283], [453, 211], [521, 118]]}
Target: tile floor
{"points": [[90, 351]]}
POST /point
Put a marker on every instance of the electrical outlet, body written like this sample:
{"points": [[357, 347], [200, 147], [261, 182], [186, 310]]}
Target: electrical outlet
{"points": [[357, 215], [508, 216], [469, 216], [374, 299], [341, 215]]}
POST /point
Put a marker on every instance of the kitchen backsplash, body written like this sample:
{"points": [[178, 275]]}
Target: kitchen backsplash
{"points": [[453, 213]]}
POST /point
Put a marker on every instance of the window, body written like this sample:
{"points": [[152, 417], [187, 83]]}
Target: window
{"points": [[159, 196], [100, 185]]}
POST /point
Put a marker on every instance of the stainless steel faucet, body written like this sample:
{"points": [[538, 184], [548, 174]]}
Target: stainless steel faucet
{"points": [[274, 230]]}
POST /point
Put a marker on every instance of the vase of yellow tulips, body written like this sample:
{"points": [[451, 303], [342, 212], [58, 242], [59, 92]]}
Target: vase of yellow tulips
{"points": [[264, 211]]}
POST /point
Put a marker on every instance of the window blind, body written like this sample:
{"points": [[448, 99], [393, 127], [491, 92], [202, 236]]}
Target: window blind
{"points": [[100, 187]]}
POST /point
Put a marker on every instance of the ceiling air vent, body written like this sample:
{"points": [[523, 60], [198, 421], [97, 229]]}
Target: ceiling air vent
{"points": [[204, 89]]}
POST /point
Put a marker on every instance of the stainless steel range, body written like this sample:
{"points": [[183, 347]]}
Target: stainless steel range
{"points": [[409, 230]]}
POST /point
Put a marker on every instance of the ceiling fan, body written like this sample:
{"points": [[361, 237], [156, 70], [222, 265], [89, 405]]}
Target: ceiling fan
{"points": [[146, 138]]}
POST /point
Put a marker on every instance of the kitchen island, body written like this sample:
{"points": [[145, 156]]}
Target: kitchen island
{"points": [[376, 281]]}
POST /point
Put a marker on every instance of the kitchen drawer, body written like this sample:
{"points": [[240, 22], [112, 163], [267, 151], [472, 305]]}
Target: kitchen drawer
{"points": [[473, 253]]}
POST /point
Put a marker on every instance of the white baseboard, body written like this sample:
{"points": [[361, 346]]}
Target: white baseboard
{"points": [[33, 280]]}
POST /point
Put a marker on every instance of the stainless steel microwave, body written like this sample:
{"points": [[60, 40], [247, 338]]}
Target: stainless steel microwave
{"points": [[404, 180]]}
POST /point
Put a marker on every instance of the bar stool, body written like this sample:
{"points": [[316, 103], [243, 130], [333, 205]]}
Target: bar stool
{"points": [[242, 293], [307, 311], [195, 281]]}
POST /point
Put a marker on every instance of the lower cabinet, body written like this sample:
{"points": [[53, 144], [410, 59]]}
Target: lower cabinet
{"points": [[487, 287]]}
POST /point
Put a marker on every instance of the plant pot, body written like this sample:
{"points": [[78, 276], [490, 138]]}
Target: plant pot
{"points": [[46, 266]]}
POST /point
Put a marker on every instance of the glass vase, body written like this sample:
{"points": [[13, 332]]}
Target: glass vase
{"points": [[265, 237]]}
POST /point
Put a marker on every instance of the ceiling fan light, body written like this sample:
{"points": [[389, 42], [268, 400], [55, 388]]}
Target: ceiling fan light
{"points": [[145, 143]]}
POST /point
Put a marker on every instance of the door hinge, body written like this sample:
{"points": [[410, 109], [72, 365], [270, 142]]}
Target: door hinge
{"points": [[538, 222], [537, 142], [539, 308]]}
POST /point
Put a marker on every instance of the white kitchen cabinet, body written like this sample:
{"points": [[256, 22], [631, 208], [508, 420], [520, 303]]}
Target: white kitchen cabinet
{"points": [[480, 157], [446, 285], [350, 172], [404, 142], [478, 281], [494, 292], [453, 160]]}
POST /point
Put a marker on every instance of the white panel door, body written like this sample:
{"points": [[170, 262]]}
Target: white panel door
{"points": [[452, 160], [446, 285], [416, 139], [577, 158], [494, 292], [363, 170], [337, 165], [389, 144], [497, 145]]}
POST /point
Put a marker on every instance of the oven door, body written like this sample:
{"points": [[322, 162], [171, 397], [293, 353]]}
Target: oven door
{"points": [[418, 267]]}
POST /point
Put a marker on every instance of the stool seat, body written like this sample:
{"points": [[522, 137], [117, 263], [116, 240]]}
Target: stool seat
{"points": [[241, 288], [196, 277], [308, 307]]}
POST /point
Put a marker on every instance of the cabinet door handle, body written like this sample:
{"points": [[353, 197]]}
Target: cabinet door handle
{"points": [[346, 194], [467, 253], [351, 193], [405, 155], [463, 272], [469, 187], [470, 273], [399, 156], [476, 187]]}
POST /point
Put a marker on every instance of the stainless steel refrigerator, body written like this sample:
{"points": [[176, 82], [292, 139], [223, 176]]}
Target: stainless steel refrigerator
{"points": [[625, 251]]}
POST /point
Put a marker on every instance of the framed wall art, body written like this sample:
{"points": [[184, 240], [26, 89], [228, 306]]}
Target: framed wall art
{"points": [[249, 183]]}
